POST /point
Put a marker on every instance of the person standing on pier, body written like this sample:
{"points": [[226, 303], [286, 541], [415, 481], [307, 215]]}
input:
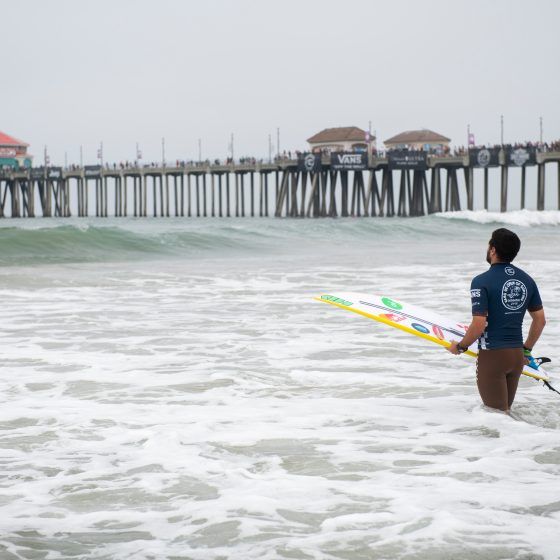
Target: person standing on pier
{"points": [[500, 297]]}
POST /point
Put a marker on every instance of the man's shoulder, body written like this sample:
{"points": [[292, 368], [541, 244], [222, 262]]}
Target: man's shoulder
{"points": [[521, 274], [481, 278]]}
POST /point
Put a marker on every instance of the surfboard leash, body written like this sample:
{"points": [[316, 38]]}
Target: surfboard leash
{"points": [[550, 386], [541, 361]]}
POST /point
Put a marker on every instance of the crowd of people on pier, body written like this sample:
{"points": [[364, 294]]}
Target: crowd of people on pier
{"points": [[289, 155], [537, 146]]}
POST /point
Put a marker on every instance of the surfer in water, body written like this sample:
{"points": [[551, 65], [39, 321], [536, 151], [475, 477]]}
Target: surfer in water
{"points": [[500, 297]]}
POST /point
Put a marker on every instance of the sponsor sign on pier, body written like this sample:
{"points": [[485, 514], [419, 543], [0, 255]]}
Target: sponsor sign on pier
{"points": [[484, 157], [406, 159], [37, 173], [341, 161], [92, 171], [309, 163], [525, 155]]}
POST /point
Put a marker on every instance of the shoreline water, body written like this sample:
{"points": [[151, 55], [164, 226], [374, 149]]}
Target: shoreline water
{"points": [[192, 400]]}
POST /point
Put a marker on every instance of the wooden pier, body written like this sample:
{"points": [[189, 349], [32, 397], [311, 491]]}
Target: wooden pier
{"points": [[312, 188]]}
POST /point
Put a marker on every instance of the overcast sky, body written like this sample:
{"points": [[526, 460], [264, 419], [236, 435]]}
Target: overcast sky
{"points": [[78, 72]]}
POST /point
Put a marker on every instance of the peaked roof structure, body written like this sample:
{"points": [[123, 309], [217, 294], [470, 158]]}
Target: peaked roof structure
{"points": [[417, 136], [6, 140], [340, 134]]}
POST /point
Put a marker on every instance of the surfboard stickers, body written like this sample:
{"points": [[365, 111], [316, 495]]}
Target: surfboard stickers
{"points": [[411, 319]]}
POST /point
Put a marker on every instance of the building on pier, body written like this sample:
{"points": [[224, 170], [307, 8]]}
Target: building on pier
{"points": [[13, 152], [423, 139], [341, 139]]}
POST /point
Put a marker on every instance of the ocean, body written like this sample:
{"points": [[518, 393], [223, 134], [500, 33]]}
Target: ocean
{"points": [[170, 389]]}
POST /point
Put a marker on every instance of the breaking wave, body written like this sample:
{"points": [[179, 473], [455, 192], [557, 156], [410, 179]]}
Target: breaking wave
{"points": [[74, 240], [522, 218]]}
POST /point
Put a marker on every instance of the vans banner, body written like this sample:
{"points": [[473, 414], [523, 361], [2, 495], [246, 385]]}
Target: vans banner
{"points": [[341, 161]]}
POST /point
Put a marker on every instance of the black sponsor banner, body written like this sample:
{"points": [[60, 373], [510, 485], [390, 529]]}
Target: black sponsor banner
{"points": [[484, 157], [406, 159], [341, 161], [50, 172], [37, 173], [55, 172], [526, 155], [309, 162], [92, 170]]}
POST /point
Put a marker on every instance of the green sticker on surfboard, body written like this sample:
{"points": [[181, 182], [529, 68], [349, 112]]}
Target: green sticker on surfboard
{"points": [[391, 303], [335, 299]]}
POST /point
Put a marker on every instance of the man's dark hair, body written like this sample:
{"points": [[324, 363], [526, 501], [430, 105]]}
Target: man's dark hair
{"points": [[506, 243]]}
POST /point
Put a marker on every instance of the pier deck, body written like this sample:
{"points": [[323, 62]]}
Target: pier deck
{"points": [[287, 188]]}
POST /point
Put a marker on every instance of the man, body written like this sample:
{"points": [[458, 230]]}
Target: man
{"points": [[500, 297]]}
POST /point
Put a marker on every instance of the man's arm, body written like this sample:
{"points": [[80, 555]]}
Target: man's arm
{"points": [[479, 303], [537, 326], [475, 330]]}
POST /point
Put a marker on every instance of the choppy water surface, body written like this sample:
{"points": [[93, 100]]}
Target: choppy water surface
{"points": [[170, 390]]}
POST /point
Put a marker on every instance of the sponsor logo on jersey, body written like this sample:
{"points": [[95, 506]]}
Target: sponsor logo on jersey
{"points": [[509, 271], [475, 293], [514, 295]]}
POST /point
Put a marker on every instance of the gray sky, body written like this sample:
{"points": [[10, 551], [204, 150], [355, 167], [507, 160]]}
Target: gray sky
{"points": [[125, 71]]}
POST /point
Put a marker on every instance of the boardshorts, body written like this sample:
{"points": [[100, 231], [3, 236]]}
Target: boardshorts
{"points": [[497, 376]]}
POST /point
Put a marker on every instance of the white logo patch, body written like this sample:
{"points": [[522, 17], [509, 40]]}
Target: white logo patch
{"points": [[309, 162], [509, 271], [483, 158], [514, 295], [475, 293], [350, 158], [519, 156]]}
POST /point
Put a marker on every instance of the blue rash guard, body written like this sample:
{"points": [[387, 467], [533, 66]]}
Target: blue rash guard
{"points": [[503, 293]]}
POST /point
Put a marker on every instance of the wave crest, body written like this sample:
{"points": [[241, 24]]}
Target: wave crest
{"points": [[522, 218]]}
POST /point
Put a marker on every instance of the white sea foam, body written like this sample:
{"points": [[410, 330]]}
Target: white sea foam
{"points": [[523, 218], [206, 409]]}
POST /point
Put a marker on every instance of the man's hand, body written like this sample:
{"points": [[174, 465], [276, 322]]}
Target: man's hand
{"points": [[475, 330], [529, 360], [453, 348]]}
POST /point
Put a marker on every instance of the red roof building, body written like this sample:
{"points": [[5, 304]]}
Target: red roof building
{"points": [[423, 139], [13, 152], [341, 139]]}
